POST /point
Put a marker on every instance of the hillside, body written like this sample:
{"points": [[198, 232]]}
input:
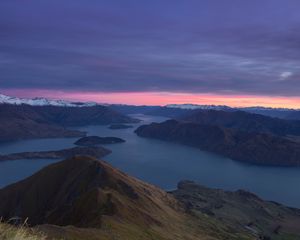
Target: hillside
{"points": [[83, 198], [102, 203], [25, 121], [240, 209], [241, 120], [75, 116], [250, 147]]}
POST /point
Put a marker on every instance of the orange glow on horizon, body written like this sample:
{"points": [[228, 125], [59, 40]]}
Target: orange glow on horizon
{"points": [[161, 98]]}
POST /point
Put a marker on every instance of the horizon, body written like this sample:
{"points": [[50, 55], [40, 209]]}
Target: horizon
{"points": [[92, 97]]}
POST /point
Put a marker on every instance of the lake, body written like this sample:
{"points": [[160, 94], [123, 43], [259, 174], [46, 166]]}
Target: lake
{"points": [[164, 164]]}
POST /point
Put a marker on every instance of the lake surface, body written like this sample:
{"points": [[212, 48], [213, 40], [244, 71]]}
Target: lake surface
{"points": [[164, 164]]}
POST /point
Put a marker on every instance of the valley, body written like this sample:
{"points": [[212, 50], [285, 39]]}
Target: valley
{"points": [[163, 164]]}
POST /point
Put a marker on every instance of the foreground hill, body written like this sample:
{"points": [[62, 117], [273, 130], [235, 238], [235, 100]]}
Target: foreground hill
{"points": [[101, 202], [250, 147], [25, 121], [241, 210], [241, 120], [83, 198]]}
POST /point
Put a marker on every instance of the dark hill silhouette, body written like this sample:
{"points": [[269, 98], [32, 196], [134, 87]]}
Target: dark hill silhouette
{"points": [[25, 121], [245, 121], [250, 147]]}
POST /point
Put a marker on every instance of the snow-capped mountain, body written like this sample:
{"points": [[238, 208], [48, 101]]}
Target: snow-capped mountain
{"points": [[226, 108], [196, 106], [258, 108], [4, 99]]}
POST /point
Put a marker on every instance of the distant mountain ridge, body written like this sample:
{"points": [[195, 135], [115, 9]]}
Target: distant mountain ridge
{"points": [[177, 110], [285, 113], [26, 121], [245, 121], [224, 107], [4, 99], [169, 110]]}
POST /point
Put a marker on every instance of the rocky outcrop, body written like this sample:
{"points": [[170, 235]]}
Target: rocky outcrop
{"points": [[250, 147], [240, 210], [97, 152], [95, 140]]}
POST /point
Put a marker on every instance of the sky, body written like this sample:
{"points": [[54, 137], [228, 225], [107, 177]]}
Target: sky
{"points": [[235, 52]]}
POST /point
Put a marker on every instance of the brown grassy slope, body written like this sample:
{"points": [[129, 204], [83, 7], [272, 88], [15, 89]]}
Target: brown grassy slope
{"points": [[241, 210], [103, 203], [8, 232]]}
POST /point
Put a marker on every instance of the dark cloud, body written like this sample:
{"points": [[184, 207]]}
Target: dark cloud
{"points": [[244, 47]]}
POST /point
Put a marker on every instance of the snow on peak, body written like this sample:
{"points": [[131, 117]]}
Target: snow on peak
{"points": [[4, 99], [226, 108], [196, 106]]}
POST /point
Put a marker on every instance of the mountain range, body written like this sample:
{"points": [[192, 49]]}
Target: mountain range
{"points": [[39, 101], [285, 113], [170, 110], [176, 111], [245, 121], [26, 121]]}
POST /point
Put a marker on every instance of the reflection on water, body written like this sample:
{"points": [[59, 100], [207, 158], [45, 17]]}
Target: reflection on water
{"points": [[164, 164]]}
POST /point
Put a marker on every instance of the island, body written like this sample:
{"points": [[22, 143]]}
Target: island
{"points": [[119, 126], [97, 152], [95, 140]]}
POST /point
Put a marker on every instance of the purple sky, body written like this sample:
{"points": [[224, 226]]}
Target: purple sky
{"points": [[249, 47]]}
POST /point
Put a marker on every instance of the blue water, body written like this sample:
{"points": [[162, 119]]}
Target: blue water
{"points": [[164, 164]]}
